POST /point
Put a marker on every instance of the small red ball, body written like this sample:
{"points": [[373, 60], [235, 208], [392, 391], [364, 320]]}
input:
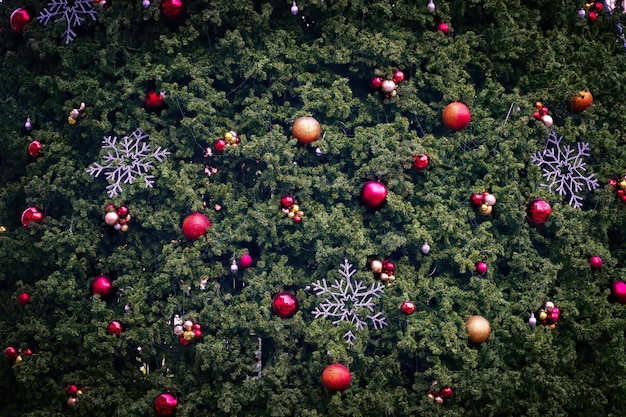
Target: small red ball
{"points": [[197, 334], [389, 267], [165, 404], [477, 199], [481, 268], [285, 305], [27, 352], [376, 82], [102, 286], [34, 149], [446, 393], [220, 145], [420, 162], [245, 261], [336, 377], [30, 215], [618, 291], [23, 298], [122, 211], [10, 353], [595, 262], [195, 226], [407, 308], [154, 101], [172, 9], [287, 201], [115, 327], [537, 212], [72, 390], [398, 76], [443, 28], [19, 19]]}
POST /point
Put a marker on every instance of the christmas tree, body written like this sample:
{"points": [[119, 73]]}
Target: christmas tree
{"points": [[205, 203]]}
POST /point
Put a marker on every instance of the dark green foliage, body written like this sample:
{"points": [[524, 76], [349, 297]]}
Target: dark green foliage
{"points": [[252, 67]]}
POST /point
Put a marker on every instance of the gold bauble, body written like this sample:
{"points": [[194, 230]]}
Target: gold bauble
{"points": [[478, 329], [306, 130], [485, 209]]}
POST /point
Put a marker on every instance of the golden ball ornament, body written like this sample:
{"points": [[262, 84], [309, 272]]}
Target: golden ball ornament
{"points": [[306, 130], [478, 329], [485, 209]]}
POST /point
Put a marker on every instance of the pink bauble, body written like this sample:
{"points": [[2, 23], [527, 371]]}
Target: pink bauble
{"points": [[373, 195], [102, 286], [195, 225], [537, 212], [388, 86], [618, 291], [19, 19], [443, 28], [165, 404], [111, 218], [30, 215], [23, 298], [595, 262], [245, 261], [407, 308], [285, 305], [481, 268]]}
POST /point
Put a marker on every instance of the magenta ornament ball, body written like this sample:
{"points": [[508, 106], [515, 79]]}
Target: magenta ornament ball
{"points": [[373, 195], [165, 405], [285, 305], [618, 291]]}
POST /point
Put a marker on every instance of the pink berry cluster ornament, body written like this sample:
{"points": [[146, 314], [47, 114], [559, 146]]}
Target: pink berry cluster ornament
{"points": [[384, 270], [73, 391], [592, 10], [231, 138], [420, 162], [541, 113], [619, 185], [117, 217], [187, 332], [34, 149], [484, 201], [31, 215], [75, 114], [16, 355], [439, 395], [548, 315], [291, 207], [388, 87]]}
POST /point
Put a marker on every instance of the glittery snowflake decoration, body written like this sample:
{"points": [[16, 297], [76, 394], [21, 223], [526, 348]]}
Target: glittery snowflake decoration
{"points": [[126, 160], [349, 300], [73, 12], [563, 167]]}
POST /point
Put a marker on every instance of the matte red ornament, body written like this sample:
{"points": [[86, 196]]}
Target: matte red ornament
{"points": [[456, 116], [285, 305], [23, 298], [34, 148], [376, 82], [30, 215], [537, 212], [195, 225], [115, 327], [373, 195], [398, 76], [172, 9], [336, 377], [154, 101], [10, 353], [618, 291], [420, 162], [19, 19], [245, 261], [165, 405], [407, 308], [595, 262], [481, 268], [102, 286]]}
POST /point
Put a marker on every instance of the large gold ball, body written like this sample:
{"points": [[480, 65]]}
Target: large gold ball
{"points": [[478, 329], [306, 130]]}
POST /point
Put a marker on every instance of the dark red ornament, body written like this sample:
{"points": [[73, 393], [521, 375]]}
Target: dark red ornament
{"points": [[376, 82], [115, 327], [72, 390], [285, 305], [446, 393], [122, 211], [420, 162], [154, 101], [34, 148], [30, 215], [23, 298], [19, 19], [165, 404], [102, 286], [287, 201], [172, 9], [195, 226], [595, 262], [477, 199], [537, 212], [10, 353], [373, 195], [389, 267], [220, 145], [407, 308], [398, 76]]}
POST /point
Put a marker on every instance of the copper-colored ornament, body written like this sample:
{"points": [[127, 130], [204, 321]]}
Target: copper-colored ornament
{"points": [[306, 130], [478, 329]]}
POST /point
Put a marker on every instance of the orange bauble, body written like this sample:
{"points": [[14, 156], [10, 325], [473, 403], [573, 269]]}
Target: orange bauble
{"points": [[456, 116], [580, 102], [306, 130], [478, 329]]}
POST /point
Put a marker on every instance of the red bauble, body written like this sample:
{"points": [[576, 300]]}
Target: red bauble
{"points": [[23, 298], [287, 201], [122, 211], [172, 9], [195, 225], [34, 148], [115, 327], [373, 195], [154, 101], [10, 353], [19, 19], [446, 393], [389, 267], [398, 76], [456, 116], [30, 215], [220, 145], [420, 162], [376, 82], [477, 199], [102, 286], [336, 377], [481, 268], [618, 291], [537, 212], [407, 308], [165, 404], [285, 305], [245, 261], [595, 262], [443, 28], [71, 390]]}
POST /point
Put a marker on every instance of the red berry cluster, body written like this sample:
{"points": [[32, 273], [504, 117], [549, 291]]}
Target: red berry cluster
{"points": [[15, 355], [593, 10], [117, 217], [291, 207], [541, 113], [620, 187], [73, 391], [484, 201], [388, 88], [187, 332], [439, 395], [384, 270], [548, 315], [420, 162], [231, 138]]}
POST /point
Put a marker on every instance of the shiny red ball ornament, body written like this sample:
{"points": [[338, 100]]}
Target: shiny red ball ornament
{"points": [[10, 353], [102, 286], [165, 405], [172, 9], [376, 82], [220, 145], [389, 267], [122, 211], [398, 76], [446, 393], [23, 298], [456, 116], [537, 212], [477, 199], [595, 262], [72, 390], [407, 308], [420, 162], [285, 305], [336, 377], [618, 291], [115, 327], [287, 201], [443, 28], [373, 195], [30, 215], [195, 225], [19, 19], [34, 149], [154, 101], [481, 268], [245, 261]]}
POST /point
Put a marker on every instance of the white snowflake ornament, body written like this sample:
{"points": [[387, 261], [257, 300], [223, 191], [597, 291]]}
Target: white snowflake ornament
{"points": [[73, 12], [350, 301], [563, 167], [127, 160]]}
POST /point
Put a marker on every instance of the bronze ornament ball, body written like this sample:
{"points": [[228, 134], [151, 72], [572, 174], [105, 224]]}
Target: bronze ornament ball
{"points": [[306, 130], [478, 329]]}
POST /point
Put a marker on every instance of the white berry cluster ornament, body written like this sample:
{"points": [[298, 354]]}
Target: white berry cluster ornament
{"points": [[438, 395], [231, 138], [484, 201], [384, 270], [541, 113], [291, 207], [75, 114], [117, 217], [619, 185], [548, 315], [388, 87], [187, 332]]}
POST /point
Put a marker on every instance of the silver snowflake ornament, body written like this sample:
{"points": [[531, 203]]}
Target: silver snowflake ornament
{"points": [[564, 169], [350, 301], [127, 160], [73, 12]]}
